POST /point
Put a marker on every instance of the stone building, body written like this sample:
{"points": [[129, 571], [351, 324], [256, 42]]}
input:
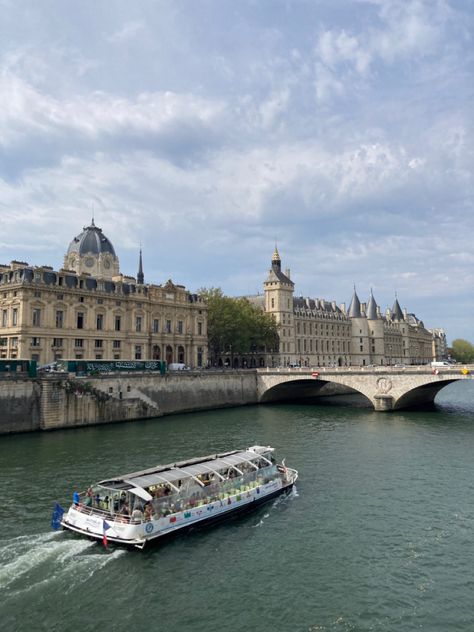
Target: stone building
{"points": [[316, 332], [89, 310]]}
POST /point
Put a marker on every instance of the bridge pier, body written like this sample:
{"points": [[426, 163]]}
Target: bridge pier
{"points": [[382, 403]]}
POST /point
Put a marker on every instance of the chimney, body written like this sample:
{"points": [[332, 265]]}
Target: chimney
{"points": [[287, 273]]}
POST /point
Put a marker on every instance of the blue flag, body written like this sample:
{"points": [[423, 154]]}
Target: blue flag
{"points": [[57, 516]]}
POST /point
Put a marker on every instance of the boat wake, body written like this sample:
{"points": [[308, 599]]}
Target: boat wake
{"points": [[283, 498], [28, 562]]}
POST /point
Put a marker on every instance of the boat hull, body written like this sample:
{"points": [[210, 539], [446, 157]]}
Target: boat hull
{"points": [[165, 528]]}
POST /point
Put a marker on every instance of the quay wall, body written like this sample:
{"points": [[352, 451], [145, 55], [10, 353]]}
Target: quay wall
{"points": [[60, 401], [19, 404]]}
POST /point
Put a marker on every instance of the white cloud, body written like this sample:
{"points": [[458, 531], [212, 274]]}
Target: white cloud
{"points": [[127, 32]]}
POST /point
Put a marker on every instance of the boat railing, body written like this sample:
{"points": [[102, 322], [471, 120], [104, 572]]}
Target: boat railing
{"points": [[106, 515]]}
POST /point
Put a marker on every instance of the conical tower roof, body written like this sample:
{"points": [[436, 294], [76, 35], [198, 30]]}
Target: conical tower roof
{"points": [[397, 313], [354, 307], [372, 312]]}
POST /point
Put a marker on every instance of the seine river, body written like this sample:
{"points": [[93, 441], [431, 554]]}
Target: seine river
{"points": [[379, 534]]}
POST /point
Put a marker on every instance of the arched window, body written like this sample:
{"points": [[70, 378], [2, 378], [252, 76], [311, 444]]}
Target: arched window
{"points": [[181, 356], [169, 354], [156, 352]]}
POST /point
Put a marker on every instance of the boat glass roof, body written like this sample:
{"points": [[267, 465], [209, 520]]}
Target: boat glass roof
{"points": [[193, 468]]}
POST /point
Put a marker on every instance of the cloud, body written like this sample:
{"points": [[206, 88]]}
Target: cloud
{"points": [[126, 32]]}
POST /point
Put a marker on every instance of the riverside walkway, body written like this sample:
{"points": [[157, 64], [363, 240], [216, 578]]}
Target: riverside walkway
{"points": [[386, 387]]}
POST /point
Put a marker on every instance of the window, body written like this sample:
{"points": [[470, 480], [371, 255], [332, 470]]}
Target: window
{"points": [[80, 320], [36, 318], [168, 326], [81, 298], [100, 301], [60, 296], [199, 329], [138, 323], [3, 342], [138, 352], [273, 303], [57, 342], [156, 325], [79, 342], [4, 318], [14, 343], [116, 344], [98, 344], [35, 341], [15, 316], [100, 321], [59, 319], [180, 326], [118, 322], [37, 294]]}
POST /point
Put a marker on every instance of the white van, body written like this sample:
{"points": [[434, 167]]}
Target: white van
{"points": [[177, 366], [443, 363]]}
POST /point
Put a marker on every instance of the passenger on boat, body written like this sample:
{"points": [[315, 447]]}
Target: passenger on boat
{"points": [[125, 511], [148, 512], [137, 513], [97, 500], [76, 499]]}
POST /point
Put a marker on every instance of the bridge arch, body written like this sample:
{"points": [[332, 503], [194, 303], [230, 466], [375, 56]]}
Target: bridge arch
{"points": [[386, 388], [420, 395]]}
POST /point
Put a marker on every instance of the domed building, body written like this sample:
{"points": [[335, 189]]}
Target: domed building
{"points": [[92, 252], [89, 310]]}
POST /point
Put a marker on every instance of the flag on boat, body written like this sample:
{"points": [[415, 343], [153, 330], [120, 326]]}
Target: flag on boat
{"points": [[106, 526], [58, 513]]}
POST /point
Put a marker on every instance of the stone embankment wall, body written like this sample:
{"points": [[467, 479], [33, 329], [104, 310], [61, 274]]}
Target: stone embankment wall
{"points": [[19, 404], [60, 401]]}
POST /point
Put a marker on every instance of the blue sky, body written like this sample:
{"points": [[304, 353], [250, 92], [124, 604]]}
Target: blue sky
{"points": [[209, 129]]}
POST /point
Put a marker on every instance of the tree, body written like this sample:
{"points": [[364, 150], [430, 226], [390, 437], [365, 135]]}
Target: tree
{"points": [[236, 326], [463, 350]]}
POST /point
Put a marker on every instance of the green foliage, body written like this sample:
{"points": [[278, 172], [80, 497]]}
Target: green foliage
{"points": [[236, 326], [463, 350]]}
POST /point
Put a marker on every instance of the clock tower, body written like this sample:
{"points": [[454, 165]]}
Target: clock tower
{"points": [[92, 252]]}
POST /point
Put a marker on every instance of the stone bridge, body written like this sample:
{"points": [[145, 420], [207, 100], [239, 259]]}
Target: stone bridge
{"points": [[386, 388]]}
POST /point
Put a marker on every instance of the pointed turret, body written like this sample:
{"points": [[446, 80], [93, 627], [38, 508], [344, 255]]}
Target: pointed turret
{"points": [[372, 311], [397, 313], [275, 273], [276, 261], [140, 276], [354, 307]]}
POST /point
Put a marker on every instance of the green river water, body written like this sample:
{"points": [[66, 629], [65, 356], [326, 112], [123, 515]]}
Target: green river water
{"points": [[378, 534]]}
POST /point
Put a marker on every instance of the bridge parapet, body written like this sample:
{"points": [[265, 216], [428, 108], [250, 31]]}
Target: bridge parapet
{"points": [[387, 388]]}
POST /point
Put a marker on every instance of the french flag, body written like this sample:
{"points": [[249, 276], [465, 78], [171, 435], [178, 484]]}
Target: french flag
{"points": [[105, 526]]}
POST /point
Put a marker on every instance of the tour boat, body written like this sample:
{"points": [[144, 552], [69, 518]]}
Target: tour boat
{"points": [[143, 506]]}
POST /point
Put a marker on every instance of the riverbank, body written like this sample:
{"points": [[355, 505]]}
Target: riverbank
{"points": [[60, 400]]}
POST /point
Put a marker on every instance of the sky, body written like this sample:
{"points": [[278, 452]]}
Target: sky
{"points": [[210, 130]]}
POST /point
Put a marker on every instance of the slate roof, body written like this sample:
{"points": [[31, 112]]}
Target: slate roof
{"points": [[91, 240], [354, 307], [372, 313]]}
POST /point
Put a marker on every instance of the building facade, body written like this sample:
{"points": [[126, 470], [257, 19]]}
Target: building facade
{"points": [[89, 310], [317, 332]]}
